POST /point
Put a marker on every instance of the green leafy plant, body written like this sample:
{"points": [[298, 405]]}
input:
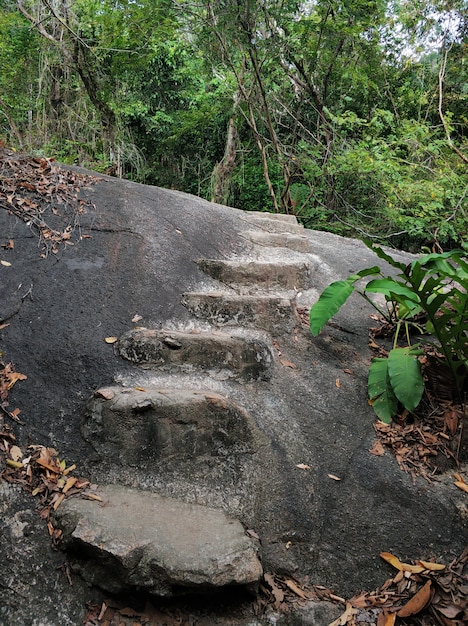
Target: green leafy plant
{"points": [[428, 295]]}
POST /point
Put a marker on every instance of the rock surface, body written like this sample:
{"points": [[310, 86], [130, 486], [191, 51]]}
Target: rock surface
{"points": [[161, 545], [256, 445], [245, 357], [152, 428]]}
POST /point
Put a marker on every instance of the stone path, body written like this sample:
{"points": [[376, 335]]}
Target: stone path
{"points": [[169, 427]]}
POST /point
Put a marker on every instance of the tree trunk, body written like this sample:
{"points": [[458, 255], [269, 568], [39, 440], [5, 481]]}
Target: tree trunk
{"points": [[222, 171]]}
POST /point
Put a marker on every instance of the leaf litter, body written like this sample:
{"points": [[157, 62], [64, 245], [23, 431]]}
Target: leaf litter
{"points": [[45, 197], [38, 469], [431, 439], [423, 593], [41, 472]]}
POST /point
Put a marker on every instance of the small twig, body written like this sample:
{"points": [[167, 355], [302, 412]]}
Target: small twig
{"points": [[28, 293]]}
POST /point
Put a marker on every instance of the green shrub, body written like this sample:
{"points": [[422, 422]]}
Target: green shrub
{"points": [[429, 295]]}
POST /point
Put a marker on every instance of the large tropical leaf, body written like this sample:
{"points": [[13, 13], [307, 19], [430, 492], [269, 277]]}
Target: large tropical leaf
{"points": [[381, 396], [333, 297], [404, 371], [386, 257], [330, 302], [391, 288]]}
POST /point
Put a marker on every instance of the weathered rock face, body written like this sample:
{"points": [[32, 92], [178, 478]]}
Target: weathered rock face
{"points": [[137, 539], [151, 428], [218, 399]]}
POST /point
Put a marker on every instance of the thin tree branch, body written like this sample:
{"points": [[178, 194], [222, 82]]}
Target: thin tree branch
{"points": [[14, 128], [443, 65]]}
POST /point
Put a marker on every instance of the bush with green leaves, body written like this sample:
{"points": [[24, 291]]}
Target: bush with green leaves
{"points": [[428, 295]]}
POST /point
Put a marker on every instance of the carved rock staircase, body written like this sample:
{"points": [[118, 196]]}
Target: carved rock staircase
{"points": [[179, 418]]}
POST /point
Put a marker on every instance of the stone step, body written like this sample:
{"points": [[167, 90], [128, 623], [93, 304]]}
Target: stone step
{"points": [[266, 312], [241, 357], [153, 428], [298, 243], [274, 224], [278, 217], [259, 275], [136, 539]]}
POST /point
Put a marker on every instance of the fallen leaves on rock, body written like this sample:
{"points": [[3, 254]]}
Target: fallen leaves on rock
{"points": [[428, 441], [421, 448], [43, 196], [460, 482], [284, 593], [423, 593], [43, 474], [8, 377], [111, 612]]}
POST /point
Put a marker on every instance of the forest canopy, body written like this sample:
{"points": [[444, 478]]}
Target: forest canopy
{"points": [[350, 114]]}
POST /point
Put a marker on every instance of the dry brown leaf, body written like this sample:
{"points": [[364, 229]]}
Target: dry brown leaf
{"points": [[111, 339], [47, 461], [69, 469], [303, 466], [15, 453], [377, 449], [337, 383], [294, 588], [451, 420], [386, 619], [276, 591], [451, 611], [69, 484], [461, 485], [333, 477], [5, 263], [359, 602], [332, 596], [59, 501], [417, 602], [92, 496], [400, 575], [287, 363], [433, 567], [13, 377], [348, 615], [404, 567]]}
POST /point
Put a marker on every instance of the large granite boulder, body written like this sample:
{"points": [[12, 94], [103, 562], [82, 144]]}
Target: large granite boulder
{"points": [[211, 395]]}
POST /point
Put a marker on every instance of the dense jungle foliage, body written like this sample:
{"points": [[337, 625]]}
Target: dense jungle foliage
{"points": [[351, 114]]}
